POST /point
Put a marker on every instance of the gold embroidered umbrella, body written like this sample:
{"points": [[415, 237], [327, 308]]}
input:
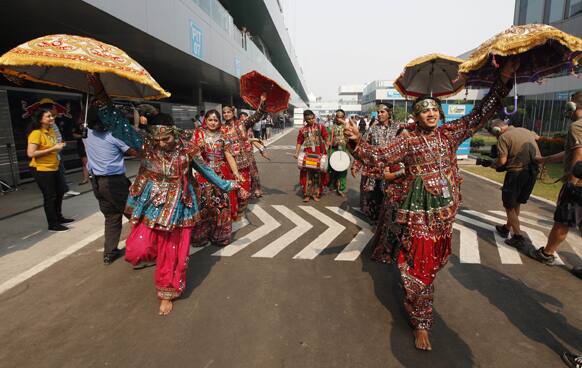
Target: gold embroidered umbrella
{"points": [[433, 74], [543, 50], [64, 60]]}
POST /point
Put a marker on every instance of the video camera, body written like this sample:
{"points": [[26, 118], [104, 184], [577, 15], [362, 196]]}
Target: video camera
{"points": [[485, 162]]}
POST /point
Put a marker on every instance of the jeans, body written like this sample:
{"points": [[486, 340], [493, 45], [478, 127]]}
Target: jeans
{"points": [[53, 188], [111, 193]]}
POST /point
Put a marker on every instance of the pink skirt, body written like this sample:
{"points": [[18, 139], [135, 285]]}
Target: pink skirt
{"points": [[169, 249]]}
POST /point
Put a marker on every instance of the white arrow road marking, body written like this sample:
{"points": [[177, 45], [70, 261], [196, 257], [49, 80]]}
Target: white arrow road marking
{"points": [[301, 227], [469, 246], [237, 225], [536, 216], [269, 224], [522, 219], [324, 239], [357, 245], [536, 236], [507, 254]]}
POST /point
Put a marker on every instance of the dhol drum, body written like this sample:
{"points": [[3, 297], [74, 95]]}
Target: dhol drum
{"points": [[339, 161], [312, 161]]}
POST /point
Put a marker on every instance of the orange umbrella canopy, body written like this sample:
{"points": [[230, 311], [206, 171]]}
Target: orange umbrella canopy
{"points": [[253, 84], [64, 60], [542, 51], [433, 74]]}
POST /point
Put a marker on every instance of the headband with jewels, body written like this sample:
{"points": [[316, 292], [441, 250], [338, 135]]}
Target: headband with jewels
{"points": [[161, 130], [426, 104], [383, 107]]}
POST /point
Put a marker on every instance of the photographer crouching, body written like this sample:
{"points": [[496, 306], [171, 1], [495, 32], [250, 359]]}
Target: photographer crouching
{"points": [[517, 153]]}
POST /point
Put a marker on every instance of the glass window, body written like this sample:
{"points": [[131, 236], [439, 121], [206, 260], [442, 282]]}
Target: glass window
{"points": [[556, 10], [534, 11], [575, 7]]}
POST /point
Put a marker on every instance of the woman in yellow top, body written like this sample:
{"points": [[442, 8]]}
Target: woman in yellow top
{"points": [[43, 149]]}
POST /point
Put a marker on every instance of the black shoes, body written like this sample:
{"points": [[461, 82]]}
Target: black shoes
{"points": [[571, 360], [63, 220], [577, 271], [516, 241], [540, 256], [142, 265], [58, 228], [109, 258], [502, 230]]}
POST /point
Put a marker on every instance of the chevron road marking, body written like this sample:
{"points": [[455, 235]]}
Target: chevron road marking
{"points": [[469, 245], [536, 236], [324, 239], [507, 254], [301, 227], [269, 224], [362, 238], [237, 225]]}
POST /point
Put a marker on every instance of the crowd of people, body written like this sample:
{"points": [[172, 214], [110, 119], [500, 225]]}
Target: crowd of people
{"points": [[193, 184]]}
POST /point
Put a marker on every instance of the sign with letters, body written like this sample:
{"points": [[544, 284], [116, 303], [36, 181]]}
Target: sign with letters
{"points": [[453, 112], [196, 40]]}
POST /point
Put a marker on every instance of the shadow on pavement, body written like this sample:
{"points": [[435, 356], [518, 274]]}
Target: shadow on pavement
{"points": [[446, 343], [524, 307]]}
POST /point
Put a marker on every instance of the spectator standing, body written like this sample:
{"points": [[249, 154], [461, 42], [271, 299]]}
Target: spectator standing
{"points": [[78, 135], [43, 149], [362, 126], [517, 153], [569, 206], [110, 185]]}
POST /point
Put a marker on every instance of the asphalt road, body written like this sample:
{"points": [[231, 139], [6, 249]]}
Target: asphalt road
{"points": [[279, 297]]}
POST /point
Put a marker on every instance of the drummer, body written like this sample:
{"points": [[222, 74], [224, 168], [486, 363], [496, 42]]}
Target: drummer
{"points": [[337, 143], [313, 138]]}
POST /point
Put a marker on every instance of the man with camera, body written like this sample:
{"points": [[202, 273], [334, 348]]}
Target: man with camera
{"points": [[517, 153], [569, 206], [110, 185]]}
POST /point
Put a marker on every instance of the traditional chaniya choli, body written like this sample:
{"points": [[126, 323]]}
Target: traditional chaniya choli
{"points": [[313, 139], [162, 203], [215, 225], [236, 132], [254, 171], [431, 187], [372, 181], [338, 142]]}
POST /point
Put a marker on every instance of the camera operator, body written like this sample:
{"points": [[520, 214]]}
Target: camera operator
{"points": [[517, 153], [569, 206], [110, 185]]}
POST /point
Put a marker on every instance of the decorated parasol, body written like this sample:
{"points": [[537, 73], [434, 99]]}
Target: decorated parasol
{"points": [[434, 74], [253, 84], [542, 50], [64, 60]]}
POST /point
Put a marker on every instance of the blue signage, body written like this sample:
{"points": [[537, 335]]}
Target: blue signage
{"points": [[196, 40], [452, 112], [393, 94]]}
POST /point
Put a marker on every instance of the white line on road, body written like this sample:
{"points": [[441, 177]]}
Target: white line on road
{"points": [[507, 254], [521, 219], [357, 245], [468, 244], [536, 236], [314, 248], [269, 224], [31, 235], [301, 227], [237, 225], [49, 262]]}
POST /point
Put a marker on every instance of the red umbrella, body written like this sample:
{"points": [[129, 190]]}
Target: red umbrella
{"points": [[253, 84]]}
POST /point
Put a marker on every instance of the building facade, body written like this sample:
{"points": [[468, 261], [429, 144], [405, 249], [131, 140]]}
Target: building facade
{"points": [[196, 49], [542, 105]]}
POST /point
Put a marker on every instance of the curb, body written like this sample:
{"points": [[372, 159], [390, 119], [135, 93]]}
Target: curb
{"points": [[547, 201]]}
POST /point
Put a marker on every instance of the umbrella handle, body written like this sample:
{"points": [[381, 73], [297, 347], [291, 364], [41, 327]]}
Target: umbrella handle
{"points": [[507, 112]]}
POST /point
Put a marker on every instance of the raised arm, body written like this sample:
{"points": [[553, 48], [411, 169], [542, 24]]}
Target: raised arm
{"points": [[466, 126], [258, 114], [380, 157]]}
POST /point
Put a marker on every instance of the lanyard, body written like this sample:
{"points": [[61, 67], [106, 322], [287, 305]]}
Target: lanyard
{"points": [[443, 181]]}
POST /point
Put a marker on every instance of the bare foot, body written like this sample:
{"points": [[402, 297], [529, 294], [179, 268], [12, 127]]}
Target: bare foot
{"points": [[165, 307], [341, 194], [316, 198], [306, 199], [421, 340]]}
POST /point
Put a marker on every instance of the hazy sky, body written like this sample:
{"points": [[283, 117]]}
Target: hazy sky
{"points": [[357, 41]]}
